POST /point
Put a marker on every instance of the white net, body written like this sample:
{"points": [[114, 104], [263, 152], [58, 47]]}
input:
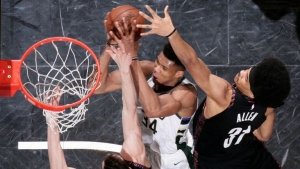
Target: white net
{"points": [[63, 120], [68, 66]]}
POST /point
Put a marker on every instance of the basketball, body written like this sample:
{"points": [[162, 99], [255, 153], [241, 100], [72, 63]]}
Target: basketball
{"points": [[130, 13]]}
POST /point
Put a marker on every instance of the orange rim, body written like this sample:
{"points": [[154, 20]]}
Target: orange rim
{"points": [[39, 104]]}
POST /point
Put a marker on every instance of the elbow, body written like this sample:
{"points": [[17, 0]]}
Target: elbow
{"points": [[189, 63], [262, 136], [157, 113], [99, 88], [149, 114], [99, 91], [107, 87], [265, 138]]}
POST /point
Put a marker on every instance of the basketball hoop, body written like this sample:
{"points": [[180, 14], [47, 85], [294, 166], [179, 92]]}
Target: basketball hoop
{"points": [[55, 61]]}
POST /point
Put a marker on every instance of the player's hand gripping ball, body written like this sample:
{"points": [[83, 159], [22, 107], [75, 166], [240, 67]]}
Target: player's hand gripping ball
{"points": [[130, 13]]}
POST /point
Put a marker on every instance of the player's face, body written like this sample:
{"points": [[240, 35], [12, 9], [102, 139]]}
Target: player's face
{"points": [[242, 82], [165, 71]]}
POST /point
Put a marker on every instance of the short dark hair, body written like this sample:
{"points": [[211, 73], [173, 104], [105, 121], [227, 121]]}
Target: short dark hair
{"points": [[170, 54], [270, 82], [111, 161]]}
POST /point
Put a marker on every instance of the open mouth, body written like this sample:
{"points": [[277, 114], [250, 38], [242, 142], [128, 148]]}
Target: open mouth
{"points": [[154, 79]]}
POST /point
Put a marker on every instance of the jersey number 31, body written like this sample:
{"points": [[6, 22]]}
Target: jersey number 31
{"points": [[234, 133]]}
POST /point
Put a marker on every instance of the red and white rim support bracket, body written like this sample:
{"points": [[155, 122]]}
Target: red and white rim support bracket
{"points": [[9, 77]]}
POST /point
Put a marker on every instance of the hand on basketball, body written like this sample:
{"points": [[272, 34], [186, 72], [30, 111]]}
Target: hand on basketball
{"points": [[159, 26], [122, 58], [109, 38], [127, 35]]}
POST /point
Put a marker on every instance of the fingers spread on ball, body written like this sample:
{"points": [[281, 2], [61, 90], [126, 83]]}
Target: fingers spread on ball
{"points": [[130, 14]]}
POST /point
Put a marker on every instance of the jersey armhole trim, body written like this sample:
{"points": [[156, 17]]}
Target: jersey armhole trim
{"points": [[232, 98]]}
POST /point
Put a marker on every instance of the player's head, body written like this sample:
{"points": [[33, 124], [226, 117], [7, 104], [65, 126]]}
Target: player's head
{"points": [[113, 161], [268, 82], [170, 55], [168, 68]]}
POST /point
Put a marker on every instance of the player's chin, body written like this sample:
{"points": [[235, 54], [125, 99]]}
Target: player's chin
{"points": [[155, 80]]}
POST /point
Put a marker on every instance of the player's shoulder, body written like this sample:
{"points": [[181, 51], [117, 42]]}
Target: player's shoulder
{"points": [[186, 87], [185, 92]]}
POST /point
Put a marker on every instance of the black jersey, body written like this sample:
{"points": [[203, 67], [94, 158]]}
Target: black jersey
{"points": [[226, 141], [134, 165]]}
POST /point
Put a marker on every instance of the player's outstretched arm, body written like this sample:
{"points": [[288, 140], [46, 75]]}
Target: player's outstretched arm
{"points": [[133, 146], [110, 81], [56, 155], [213, 86], [129, 111]]}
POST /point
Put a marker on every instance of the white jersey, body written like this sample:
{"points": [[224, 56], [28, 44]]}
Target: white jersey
{"points": [[167, 135]]}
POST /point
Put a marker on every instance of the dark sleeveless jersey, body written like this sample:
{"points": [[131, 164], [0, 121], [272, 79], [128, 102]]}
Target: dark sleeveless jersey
{"points": [[134, 165], [226, 140]]}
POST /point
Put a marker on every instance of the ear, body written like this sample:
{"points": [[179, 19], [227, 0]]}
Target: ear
{"points": [[179, 73]]}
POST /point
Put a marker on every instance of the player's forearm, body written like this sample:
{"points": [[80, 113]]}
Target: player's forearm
{"points": [[104, 60], [104, 63], [129, 112], [184, 51], [147, 97], [257, 133], [187, 54], [128, 91], [194, 65], [55, 153]]}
